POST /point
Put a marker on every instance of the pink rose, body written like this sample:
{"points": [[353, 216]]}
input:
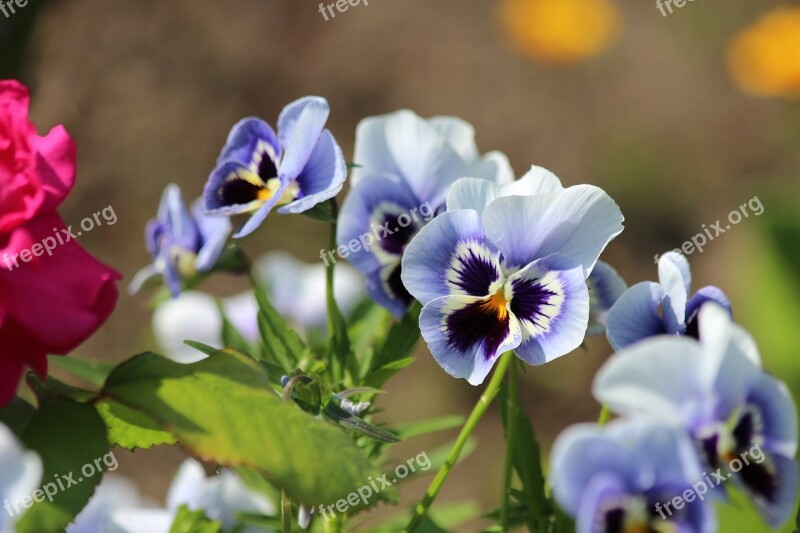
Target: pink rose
{"points": [[36, 173], [53, 294]]}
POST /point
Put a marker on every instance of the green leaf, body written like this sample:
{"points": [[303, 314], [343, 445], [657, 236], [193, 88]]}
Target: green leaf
{"points": [[282, 344], [231, 338], [92, 372], [131, 429], [379, 377], [527, 464], [187, 521], [71, 440], [200, 347], [17, 415], [223, 410], [415, 429]]}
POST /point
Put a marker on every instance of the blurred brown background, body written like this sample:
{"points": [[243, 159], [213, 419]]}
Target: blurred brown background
{"points": [[150, 89]]}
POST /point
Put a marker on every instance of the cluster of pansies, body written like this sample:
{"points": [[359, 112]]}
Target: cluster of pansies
{"points": [[502, 269], [697, 410]]}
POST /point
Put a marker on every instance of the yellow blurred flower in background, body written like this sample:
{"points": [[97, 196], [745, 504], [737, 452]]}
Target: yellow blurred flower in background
{"points": [[764, 59], [561, 32]]}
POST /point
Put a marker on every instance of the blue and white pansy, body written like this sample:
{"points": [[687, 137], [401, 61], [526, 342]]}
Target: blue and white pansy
{"points": [[605, 284], [743, 421], [497, 273], [618, 478], [181, 242], [406, 165], [650, 308], [295, 169]]}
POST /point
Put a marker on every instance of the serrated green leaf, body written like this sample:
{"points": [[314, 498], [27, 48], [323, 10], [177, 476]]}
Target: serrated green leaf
{"points": [[69, 437], [224, 410], [93, 372], [131, 429]]}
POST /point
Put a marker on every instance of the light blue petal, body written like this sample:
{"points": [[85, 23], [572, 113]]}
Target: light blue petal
{"points": [[383, 291], [494, 166], [377, 194], [477, 194], [299, 128], [407, 146], [600, 490], [322, 177], [243, 141], [472, 363], [704, 295], [577, 222], [726, 357], [660, 377], [675, 279], [580, 453], [777, 412], [606, 286], [430, 258], [214, 232], [635, 315], [551, 301]]}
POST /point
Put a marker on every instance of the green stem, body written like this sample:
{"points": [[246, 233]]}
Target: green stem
{"points": [[605, 416], [286, 513], [512, 402], [421, 510], [329, 295]]}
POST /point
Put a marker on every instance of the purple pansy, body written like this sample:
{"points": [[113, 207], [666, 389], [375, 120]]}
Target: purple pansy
{"points": [[181, 242], [406, 165], [743, 421], [500, 272], [623, 477], [650, 308], [296, 169]]}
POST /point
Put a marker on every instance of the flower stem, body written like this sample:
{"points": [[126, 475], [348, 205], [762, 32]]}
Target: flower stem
{"points": [[512, 401], [286, 513], [330, 298], [421, 510], [605, 416]]}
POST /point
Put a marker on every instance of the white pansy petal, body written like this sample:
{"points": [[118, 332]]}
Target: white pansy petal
{"points": [[192, 316], [675, 278]]}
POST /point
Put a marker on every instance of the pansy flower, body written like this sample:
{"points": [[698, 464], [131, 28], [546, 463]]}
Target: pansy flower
{"points": [[605, 284], [619, 478], [510, 276], [296, 169], [743, 421], [181, 242], [406, 165], [649, 308]]}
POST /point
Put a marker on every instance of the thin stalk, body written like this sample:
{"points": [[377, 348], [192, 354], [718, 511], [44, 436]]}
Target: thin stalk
{"points": [[421, 510], [286, 513], [605, 416], [512, 404]]}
